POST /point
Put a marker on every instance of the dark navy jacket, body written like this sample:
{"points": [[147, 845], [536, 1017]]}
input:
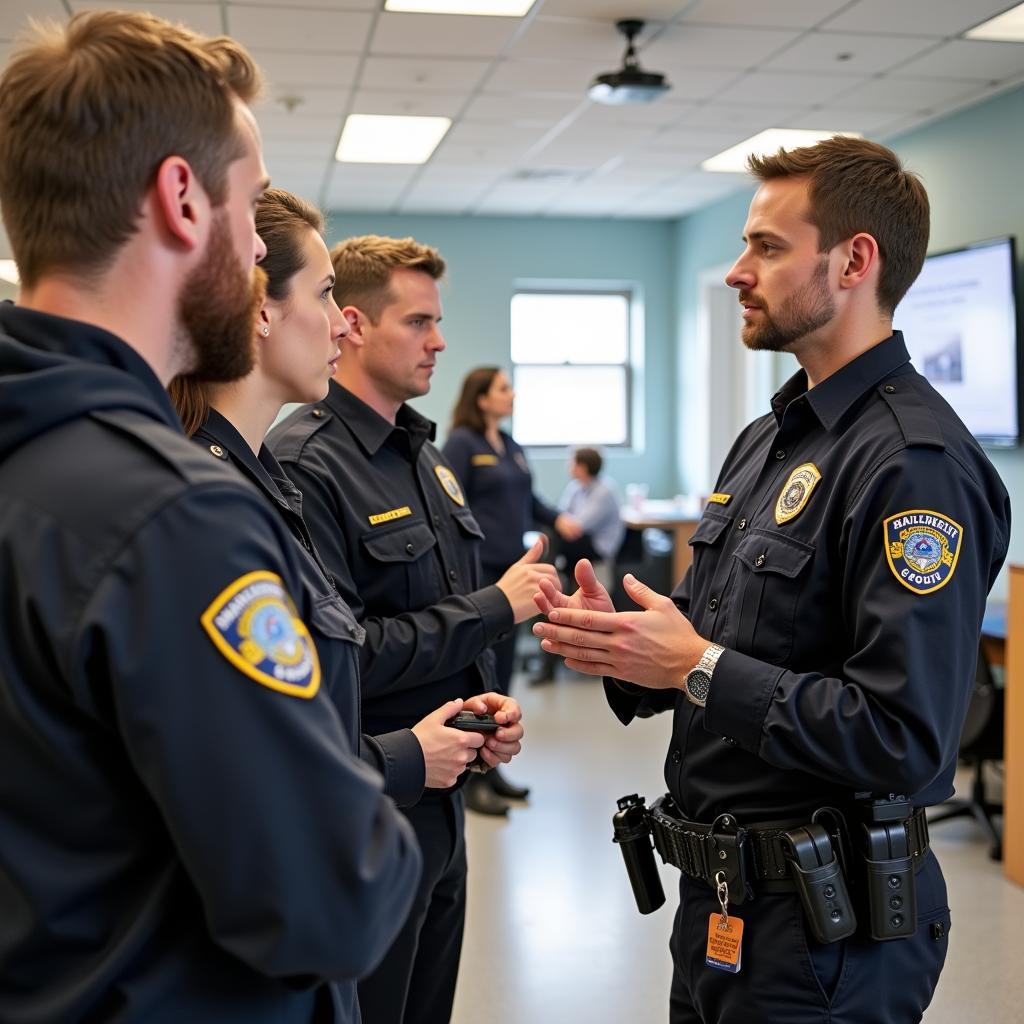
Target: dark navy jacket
{"points": [[847, 668], [179, 841], [394, 530], [499, 490], [397, 755]]}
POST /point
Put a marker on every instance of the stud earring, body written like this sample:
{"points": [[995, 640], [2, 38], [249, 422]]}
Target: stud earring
{"points": [[266, 331]]}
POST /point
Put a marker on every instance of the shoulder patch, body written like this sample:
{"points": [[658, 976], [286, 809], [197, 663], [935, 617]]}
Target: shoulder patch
{"points": [[450, 484], [922, 548], [254, 624]]}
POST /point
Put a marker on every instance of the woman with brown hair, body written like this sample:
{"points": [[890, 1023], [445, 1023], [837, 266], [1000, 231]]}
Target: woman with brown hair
{"points": [[499, 488], [298, 334]]}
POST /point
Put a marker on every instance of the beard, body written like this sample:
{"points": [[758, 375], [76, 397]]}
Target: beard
{"points": [[806, 310], [217, 310]]}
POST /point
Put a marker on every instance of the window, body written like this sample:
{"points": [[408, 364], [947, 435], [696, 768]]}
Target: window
{"points": [[571, 367]]}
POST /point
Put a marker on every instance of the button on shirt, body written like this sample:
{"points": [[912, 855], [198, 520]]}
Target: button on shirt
{"points": [[394, 530], [838, 676]]}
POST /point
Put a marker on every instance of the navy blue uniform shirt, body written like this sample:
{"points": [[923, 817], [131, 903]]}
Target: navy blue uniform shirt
{"points": [[397, 755], [499, 490], [185, 833], [844, 564], [395, 532]]}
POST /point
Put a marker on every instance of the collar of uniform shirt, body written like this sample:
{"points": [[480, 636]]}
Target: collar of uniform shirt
{"points": [[370, 429], [831, 399], [220, 430]]}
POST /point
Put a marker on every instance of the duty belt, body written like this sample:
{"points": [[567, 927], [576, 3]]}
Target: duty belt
{"points": [[698, 849]]}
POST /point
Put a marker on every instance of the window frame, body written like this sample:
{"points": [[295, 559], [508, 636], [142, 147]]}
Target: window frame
{"points": [[634, 331]]}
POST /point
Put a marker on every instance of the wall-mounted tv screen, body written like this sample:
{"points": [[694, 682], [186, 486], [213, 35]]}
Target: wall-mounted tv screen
{"points": [[959, 321]]}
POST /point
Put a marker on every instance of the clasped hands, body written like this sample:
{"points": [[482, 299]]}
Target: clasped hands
{"points": [[654, 647]]}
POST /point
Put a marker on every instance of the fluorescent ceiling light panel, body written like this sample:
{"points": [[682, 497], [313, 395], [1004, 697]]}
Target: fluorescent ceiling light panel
{"points": [[9, 271], [386, 139], [494, 8], [1007, 27], [734, 159]]}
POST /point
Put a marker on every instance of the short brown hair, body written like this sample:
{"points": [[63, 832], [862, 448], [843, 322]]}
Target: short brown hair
{"points": [[282, 220], [363, 266], [89, 111], [590, 459], [467, 411], [857, 185]]}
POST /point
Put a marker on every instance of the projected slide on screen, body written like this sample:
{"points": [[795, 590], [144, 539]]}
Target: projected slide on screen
{"points": [[959, 321]]}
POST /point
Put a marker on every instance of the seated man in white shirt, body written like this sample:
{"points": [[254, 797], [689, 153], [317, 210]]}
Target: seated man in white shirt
{"points": [[593, 504]]}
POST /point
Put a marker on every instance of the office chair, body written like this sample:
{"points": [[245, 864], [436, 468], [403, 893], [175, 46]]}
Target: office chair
{"points": [[980, 741]]}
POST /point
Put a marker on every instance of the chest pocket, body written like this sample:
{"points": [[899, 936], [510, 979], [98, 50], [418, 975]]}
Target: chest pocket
{"points": [[408, 577], [468, 526], [771, 577]]}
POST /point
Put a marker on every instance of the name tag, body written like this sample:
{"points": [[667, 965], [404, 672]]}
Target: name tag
{"points": [[387, 517], [719, 499], [484, 460]]}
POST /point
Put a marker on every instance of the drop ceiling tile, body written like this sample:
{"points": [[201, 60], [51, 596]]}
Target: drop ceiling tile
{"points": [[495, 135], [315, 102], [276, 125], [442, 34], [200, 17], [662, 112], [613, 10], [574, 39], [683, 46], [536, 110], [916, 17], [422, 74], [967, 59], [288, 70], [427, 104], [849, 53], [440, 177], [318, 148], [776, 14], [441, 200], [289, 28], [748, 119], [767, 88], [866, 121], [566, 77], [903, 94], [373, 177], [340, 5]]}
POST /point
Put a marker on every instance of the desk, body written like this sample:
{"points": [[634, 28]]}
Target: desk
{"points": [[1013, 754], [666, 515]]}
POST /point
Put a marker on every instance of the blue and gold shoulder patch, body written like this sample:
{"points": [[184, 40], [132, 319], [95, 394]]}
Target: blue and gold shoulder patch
{"points": [[254, 624], [922, 548], [450, 483]]}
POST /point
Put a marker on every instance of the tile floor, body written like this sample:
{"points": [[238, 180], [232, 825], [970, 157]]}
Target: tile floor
{"points": [[553, 934]]}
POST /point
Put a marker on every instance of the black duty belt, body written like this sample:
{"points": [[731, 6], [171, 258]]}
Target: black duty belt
{"points": [[697, 849]]}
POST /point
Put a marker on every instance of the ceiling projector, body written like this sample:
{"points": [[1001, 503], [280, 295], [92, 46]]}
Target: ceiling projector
{"points": [[629, 84]]}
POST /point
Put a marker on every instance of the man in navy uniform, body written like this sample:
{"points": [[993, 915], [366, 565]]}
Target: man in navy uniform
{"points": [[187, 834], [394, 529], [822, 649]]}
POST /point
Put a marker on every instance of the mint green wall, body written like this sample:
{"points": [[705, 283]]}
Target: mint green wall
{"points": [[487, 256], [971, 164]]}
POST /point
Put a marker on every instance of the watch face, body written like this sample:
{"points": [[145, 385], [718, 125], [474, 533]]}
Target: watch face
{"points": [[698, 685]]}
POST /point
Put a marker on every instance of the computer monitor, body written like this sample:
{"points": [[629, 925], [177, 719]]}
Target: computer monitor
{"points": [[959, 321]]}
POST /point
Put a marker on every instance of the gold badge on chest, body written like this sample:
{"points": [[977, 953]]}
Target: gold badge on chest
{"points": [[450, 483], [796, 492]]}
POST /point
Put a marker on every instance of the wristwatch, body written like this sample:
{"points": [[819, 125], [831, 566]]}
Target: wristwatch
{"points": [[698, 679]]}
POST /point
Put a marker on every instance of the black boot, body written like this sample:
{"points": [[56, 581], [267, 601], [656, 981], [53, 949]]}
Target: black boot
{"points": [[480, 797], [504, 788]]}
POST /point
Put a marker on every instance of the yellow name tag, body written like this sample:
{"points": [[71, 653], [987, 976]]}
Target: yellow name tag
{"points": [[387, 517], [719, 499], [484, 460]]}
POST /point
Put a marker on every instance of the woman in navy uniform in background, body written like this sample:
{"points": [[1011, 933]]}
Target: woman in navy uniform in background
{"points": [[297, 336], [499, 488]]}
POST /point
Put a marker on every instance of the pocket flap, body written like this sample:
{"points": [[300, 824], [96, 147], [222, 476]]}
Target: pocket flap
{"points": [[400, 544], [333, 618], [763, 551], [710, 527], [467, 523]]}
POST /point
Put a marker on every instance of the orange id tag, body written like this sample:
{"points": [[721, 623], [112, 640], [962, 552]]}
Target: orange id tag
{"points": [[724, 938]]}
